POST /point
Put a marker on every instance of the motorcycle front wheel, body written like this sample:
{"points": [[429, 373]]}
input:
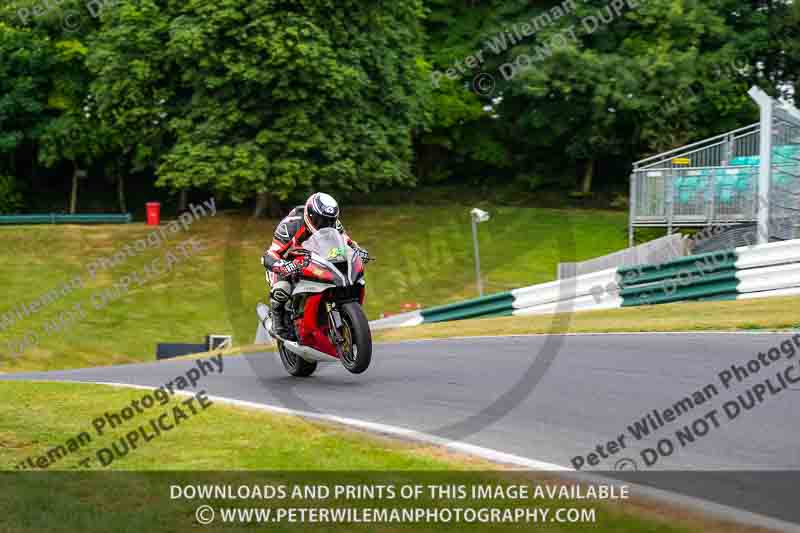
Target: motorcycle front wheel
{"points": [[356, 350], [294, 364]]}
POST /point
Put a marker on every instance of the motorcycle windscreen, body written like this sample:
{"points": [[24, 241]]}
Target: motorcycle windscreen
{"points": [[329, 244]]}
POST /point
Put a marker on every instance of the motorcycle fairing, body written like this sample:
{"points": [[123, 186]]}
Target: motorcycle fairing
{"points": [[309, 330]]}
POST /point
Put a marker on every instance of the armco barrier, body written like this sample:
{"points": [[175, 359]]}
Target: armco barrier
{"points": [[604, 281], [55, 218], [769, 278], [581, 303], [403, 320], [694, 265], [768, 270], [596, 290], [671, 290], [775, 253], [488, 306], [793, 291]]}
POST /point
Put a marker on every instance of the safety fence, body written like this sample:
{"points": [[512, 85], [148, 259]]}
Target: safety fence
{"points": [[751, 174], [590, 291], [58, 218], [784, 193], [745, 272]]}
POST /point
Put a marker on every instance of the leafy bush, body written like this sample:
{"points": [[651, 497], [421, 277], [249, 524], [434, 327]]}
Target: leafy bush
{"points": [[10, 197]]}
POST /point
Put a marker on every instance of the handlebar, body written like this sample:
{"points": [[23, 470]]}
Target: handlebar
{"points": [[301, 252], [306, 255]]}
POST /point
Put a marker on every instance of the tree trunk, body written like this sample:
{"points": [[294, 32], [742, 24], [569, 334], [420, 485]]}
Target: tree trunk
{"points": [[183, 200], [73, 197], [586, 187], [121, 194], [267, 204], [262, 203]]}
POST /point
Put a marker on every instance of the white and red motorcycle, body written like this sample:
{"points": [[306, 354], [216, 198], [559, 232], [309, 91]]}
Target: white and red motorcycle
{"points": [[325, 308]]}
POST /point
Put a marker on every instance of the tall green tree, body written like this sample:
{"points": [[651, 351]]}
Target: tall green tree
{"points": [[54, 49], [25, 62], [461, 136], [267, 96], [603, 84], [73, 134]]}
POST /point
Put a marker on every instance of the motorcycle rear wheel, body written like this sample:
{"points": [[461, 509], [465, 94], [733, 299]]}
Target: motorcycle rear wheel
{"points": [[294, 364], [357, 348]]}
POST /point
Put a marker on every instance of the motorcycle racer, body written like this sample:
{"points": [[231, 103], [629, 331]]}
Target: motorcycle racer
{"points": [[320, 211]]}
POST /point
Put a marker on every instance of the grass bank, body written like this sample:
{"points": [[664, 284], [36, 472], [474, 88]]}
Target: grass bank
{"points": [[237, 441], [424, 257]]}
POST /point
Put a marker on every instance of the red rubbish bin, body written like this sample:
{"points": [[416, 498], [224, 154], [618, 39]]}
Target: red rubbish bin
{"points": [[153, 213]]}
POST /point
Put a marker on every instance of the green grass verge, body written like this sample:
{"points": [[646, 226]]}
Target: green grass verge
{"points": [[424, 257], [32, 421], [35, 417]]}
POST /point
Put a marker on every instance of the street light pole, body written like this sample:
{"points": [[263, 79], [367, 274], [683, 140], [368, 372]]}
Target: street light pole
{"points": [[478, 216], [477, 255]]}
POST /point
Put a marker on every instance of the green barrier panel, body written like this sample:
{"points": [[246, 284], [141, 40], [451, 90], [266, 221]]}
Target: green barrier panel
{"points": [[54, 218], [479, 311], [494, 305], [506, 311], [675, 290], [704, 264], [725, 297]]}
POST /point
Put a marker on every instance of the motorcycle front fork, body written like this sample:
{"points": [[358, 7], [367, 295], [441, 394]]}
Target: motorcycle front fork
{"points": [[335, 320]]}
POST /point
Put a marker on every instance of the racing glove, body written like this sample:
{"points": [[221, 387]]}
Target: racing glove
{"points": [[363, 254], [286, 269]]}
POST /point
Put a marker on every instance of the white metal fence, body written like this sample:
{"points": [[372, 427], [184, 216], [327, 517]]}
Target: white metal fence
{"points": [[784, 194], [708, 182], [716, 181]]}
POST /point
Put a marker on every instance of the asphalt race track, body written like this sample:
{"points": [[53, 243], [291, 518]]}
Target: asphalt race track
{"points": [[554, 398]]}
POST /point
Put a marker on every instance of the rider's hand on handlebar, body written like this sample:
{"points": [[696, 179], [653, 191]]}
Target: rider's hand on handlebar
{"points": [[286, 269], [363, 254]]}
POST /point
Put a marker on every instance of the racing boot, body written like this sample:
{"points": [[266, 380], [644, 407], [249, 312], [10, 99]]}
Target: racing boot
{"points": [[279, 328]]}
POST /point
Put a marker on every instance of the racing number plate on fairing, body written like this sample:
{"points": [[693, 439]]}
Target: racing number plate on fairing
{"points": [[336, 253]]}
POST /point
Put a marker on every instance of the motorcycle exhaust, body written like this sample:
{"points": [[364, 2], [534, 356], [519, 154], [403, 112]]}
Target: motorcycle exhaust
{"points": [[309, 354], [264, 325], [263, 312], [306, 352]]}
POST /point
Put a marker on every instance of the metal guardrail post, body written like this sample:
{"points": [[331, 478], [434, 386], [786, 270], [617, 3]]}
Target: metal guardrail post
{"points": [[765, 163], [712, 185], [728, 150], [669, 187], [632, 207]]}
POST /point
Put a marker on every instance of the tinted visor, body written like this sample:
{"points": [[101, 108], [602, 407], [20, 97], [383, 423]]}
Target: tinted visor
{"points": [[321, 221]]}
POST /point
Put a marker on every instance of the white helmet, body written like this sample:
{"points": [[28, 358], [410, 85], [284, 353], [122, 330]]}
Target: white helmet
{"points": [[321, 211]]}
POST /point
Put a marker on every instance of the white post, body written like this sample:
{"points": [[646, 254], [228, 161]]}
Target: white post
{"points": [[477, 256], [765, 164], [477, 217]]}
